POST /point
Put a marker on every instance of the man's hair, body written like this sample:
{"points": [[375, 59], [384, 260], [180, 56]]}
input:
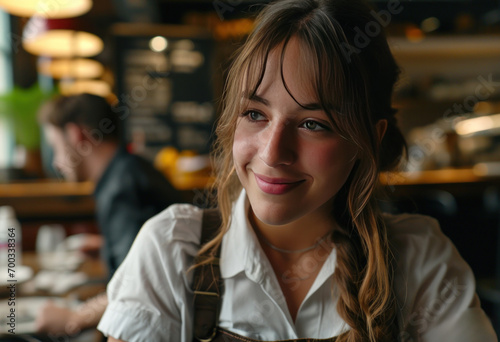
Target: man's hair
{"points": [[90, 111]]}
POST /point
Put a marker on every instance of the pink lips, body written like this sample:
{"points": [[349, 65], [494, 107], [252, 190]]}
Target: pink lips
{"points": [[275, 186]]}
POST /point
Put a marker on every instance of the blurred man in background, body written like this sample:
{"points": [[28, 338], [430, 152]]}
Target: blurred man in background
{"points": [[85, 132]]}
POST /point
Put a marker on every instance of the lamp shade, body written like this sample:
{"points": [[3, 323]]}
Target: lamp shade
{"points": [[59, 38], [96, 87], [78, 68], [46, 8]]}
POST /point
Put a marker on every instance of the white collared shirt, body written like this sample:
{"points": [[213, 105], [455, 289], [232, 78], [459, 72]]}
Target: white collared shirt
{"points": [[150, 296]]}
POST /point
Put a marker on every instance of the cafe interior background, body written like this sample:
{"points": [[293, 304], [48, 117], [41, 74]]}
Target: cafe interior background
{"points": [[164, 61]]}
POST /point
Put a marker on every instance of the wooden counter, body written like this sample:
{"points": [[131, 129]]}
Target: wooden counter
{"points": [[45, 188], [48, 199], [442, 176], [50, 202], [429, 177]]}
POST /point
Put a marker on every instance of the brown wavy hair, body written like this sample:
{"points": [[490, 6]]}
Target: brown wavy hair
{"points": [[354, 85]]}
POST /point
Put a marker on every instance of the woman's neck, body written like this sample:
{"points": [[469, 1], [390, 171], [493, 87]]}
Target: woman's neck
{"points": [[300, 235]]}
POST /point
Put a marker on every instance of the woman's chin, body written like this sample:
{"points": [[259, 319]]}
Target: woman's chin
{"points": [[273, 216]]}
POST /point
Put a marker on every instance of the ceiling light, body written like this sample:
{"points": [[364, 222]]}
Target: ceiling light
{"points": [[158, 44], [96, 87], [72, 68], [46, 8], [59, 38]]}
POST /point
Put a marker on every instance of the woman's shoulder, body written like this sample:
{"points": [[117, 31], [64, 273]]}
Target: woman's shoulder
{"points": [[171, 236], [151, 289], [421, 250], [410, 225], [418, 244], [433, 284], [167, 243], [178, 222], [413, 234]]}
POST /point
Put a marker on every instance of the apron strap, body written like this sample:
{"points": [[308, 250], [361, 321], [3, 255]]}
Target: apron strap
{"points": [[207, 284]]}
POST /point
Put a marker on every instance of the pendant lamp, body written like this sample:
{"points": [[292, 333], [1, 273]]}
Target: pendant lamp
{"points": [[59, 38], [46, 8], [80, 68], [96, 87]]}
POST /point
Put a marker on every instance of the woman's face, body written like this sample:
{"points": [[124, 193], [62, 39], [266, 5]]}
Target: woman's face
{"points": [[289, 159]]}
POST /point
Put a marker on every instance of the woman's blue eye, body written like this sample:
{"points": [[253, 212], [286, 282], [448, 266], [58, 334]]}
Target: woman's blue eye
{"points": [[253, 115], [314, 126]]}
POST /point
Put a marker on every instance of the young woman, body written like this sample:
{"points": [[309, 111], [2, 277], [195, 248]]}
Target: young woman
{"points": [[305, 253]]}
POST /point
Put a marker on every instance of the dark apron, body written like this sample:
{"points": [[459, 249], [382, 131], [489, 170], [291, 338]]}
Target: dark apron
{"points": [[227, 336]]}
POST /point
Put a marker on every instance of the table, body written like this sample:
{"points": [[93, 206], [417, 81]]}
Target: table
{"points": [[97, 277]]}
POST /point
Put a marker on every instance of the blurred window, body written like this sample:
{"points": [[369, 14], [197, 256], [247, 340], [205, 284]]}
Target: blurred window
{"points": [[6, 80], [6, 77]]}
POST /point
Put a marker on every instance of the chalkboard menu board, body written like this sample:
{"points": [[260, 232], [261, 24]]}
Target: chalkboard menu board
{"points": [[164, 85]]}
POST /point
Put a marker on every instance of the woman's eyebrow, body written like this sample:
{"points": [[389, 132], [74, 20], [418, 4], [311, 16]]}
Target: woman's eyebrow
{"points": [[310, 106], [257, 98]]}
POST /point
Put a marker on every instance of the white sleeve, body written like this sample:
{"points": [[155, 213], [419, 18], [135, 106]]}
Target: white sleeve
{"points": [[149, 295], [435, 287]]}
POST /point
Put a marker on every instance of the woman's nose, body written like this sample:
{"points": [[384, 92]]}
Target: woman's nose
{"points": [[277, 145]]}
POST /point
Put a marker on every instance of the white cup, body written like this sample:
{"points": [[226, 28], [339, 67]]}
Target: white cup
{"points": [[49, 237]]}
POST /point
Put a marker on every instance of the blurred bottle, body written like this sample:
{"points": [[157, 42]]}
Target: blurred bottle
{"points": [[10, 228], [166, 161]]}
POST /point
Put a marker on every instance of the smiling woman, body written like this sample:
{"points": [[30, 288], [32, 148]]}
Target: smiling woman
{"points": [[305, 252], [283, 148]]}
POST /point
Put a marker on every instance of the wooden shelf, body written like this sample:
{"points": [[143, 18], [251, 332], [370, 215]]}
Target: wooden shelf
{"points": [[443, 176], [45, 188], [49, 199]]}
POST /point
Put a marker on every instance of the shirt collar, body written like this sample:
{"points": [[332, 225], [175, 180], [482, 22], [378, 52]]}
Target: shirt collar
{"points": [[241, 250]]}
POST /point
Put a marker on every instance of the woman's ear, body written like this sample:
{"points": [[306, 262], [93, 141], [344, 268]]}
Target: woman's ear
{"points": [[381, 127]]}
